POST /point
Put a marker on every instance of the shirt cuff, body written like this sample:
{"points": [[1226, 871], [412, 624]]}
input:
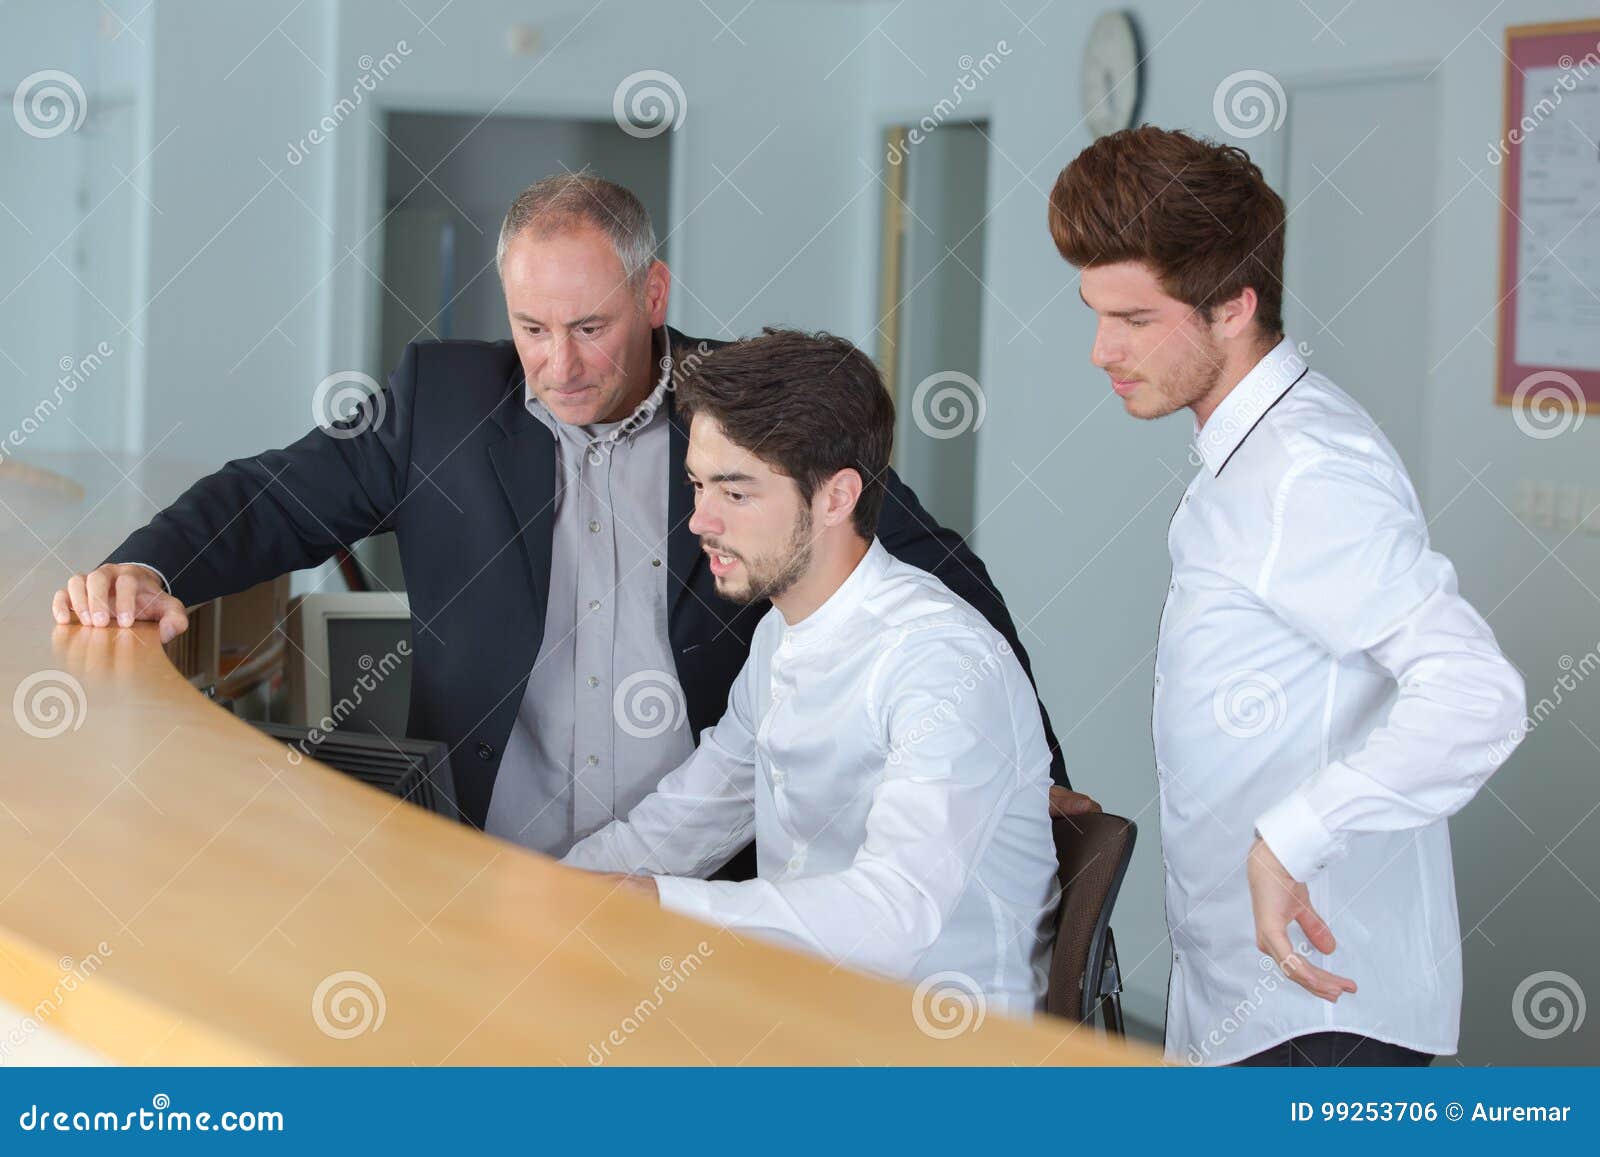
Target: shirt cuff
{"points": [[165, 585], [1298, 837], [687, 897]]}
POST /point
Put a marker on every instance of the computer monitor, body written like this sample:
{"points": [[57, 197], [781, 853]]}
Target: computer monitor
{"points": [[350, 661], [415, 770]]}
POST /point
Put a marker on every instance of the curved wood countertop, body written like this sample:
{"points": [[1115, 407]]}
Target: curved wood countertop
{"points": [[174, 891]]}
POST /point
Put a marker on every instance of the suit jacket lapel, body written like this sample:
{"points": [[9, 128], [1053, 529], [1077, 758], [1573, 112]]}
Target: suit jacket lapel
{"points": [[525, 463], [683, 546]]}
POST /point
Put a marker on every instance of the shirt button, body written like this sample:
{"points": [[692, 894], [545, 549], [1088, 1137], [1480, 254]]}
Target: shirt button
{"points": [[485, 751], [655, 562], [1158, 680], [593, 759], [777, 775], [594, 526], [594, 604], [1172, 586], [594, 456], [594, 681]]}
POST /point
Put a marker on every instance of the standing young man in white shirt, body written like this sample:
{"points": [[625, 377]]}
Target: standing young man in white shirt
{"points": [[881, 742], [1324, 698]]}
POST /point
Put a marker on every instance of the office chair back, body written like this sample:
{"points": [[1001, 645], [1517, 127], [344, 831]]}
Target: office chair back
{"points": [[1092, 854]]}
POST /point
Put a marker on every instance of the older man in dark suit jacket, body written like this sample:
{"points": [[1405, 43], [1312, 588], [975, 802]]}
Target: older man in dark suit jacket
{"points": [[567, 640]]}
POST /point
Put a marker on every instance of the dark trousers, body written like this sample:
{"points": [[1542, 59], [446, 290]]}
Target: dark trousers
{"points": [[1328, 1050]]}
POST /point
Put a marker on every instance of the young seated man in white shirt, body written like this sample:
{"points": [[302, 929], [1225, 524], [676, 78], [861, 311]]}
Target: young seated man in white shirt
{"points": [[881, 742]]}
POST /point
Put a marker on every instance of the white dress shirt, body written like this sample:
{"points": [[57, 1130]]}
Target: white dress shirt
{"points": [[1320, 682], [888, 754]]}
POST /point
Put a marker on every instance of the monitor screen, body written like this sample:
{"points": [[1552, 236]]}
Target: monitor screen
{"points": [[366, 647]]}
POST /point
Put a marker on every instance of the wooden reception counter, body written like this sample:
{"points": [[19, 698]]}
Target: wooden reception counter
{"points": [[174, 891]]}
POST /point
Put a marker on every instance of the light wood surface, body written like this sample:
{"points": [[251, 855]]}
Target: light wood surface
{"points": [[174, 891]]}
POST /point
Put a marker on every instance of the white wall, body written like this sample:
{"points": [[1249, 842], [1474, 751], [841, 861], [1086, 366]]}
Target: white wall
{"points": [[1092, 608], [71, 227], [777, 241], [262, 275]]}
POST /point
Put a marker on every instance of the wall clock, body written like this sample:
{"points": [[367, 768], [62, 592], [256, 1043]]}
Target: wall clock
{"points": [[1112, 79]]}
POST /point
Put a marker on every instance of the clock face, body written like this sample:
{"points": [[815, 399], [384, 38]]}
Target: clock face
{"points": [[1110, 79]]}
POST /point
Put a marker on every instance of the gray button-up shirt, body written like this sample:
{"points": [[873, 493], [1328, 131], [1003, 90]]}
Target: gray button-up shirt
{"points": [[603, 717]]}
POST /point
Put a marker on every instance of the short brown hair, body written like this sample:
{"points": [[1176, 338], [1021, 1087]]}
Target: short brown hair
{"points": [[807, 404], [1199, 214]]}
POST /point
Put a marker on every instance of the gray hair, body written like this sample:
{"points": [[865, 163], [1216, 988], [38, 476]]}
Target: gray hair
{"points": [[562, 202]]}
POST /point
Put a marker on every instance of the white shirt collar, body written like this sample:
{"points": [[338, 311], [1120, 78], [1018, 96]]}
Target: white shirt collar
{"points": [[1231, 422], [837, 608], [616, 431]]}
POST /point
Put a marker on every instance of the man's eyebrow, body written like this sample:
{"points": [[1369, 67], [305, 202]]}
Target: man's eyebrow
{"points": [[726, 476], [1114, 312], [589, 319]]}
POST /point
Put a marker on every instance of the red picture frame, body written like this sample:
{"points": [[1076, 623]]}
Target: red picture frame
{"points": [[1573, 46]]}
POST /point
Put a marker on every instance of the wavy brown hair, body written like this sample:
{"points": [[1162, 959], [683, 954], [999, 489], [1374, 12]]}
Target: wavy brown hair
{"points": [[1199, 214]]}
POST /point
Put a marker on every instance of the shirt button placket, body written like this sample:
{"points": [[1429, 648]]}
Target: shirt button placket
{"points": [[594, 732]]}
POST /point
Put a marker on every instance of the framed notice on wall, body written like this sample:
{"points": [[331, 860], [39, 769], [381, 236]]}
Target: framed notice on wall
{"points": [[1549, 156]]}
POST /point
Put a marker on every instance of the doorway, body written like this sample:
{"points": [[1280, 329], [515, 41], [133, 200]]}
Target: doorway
{"points": [[448, 181], [1359, 184], [931, 309]]}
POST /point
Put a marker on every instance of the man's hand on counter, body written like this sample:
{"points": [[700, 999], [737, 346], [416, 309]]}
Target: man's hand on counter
{"points": [[1070, 803], [120, 593]]}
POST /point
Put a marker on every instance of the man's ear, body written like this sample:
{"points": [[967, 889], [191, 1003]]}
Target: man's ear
{"points": [[657, 288], [841, 493], [1233, 317]]}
